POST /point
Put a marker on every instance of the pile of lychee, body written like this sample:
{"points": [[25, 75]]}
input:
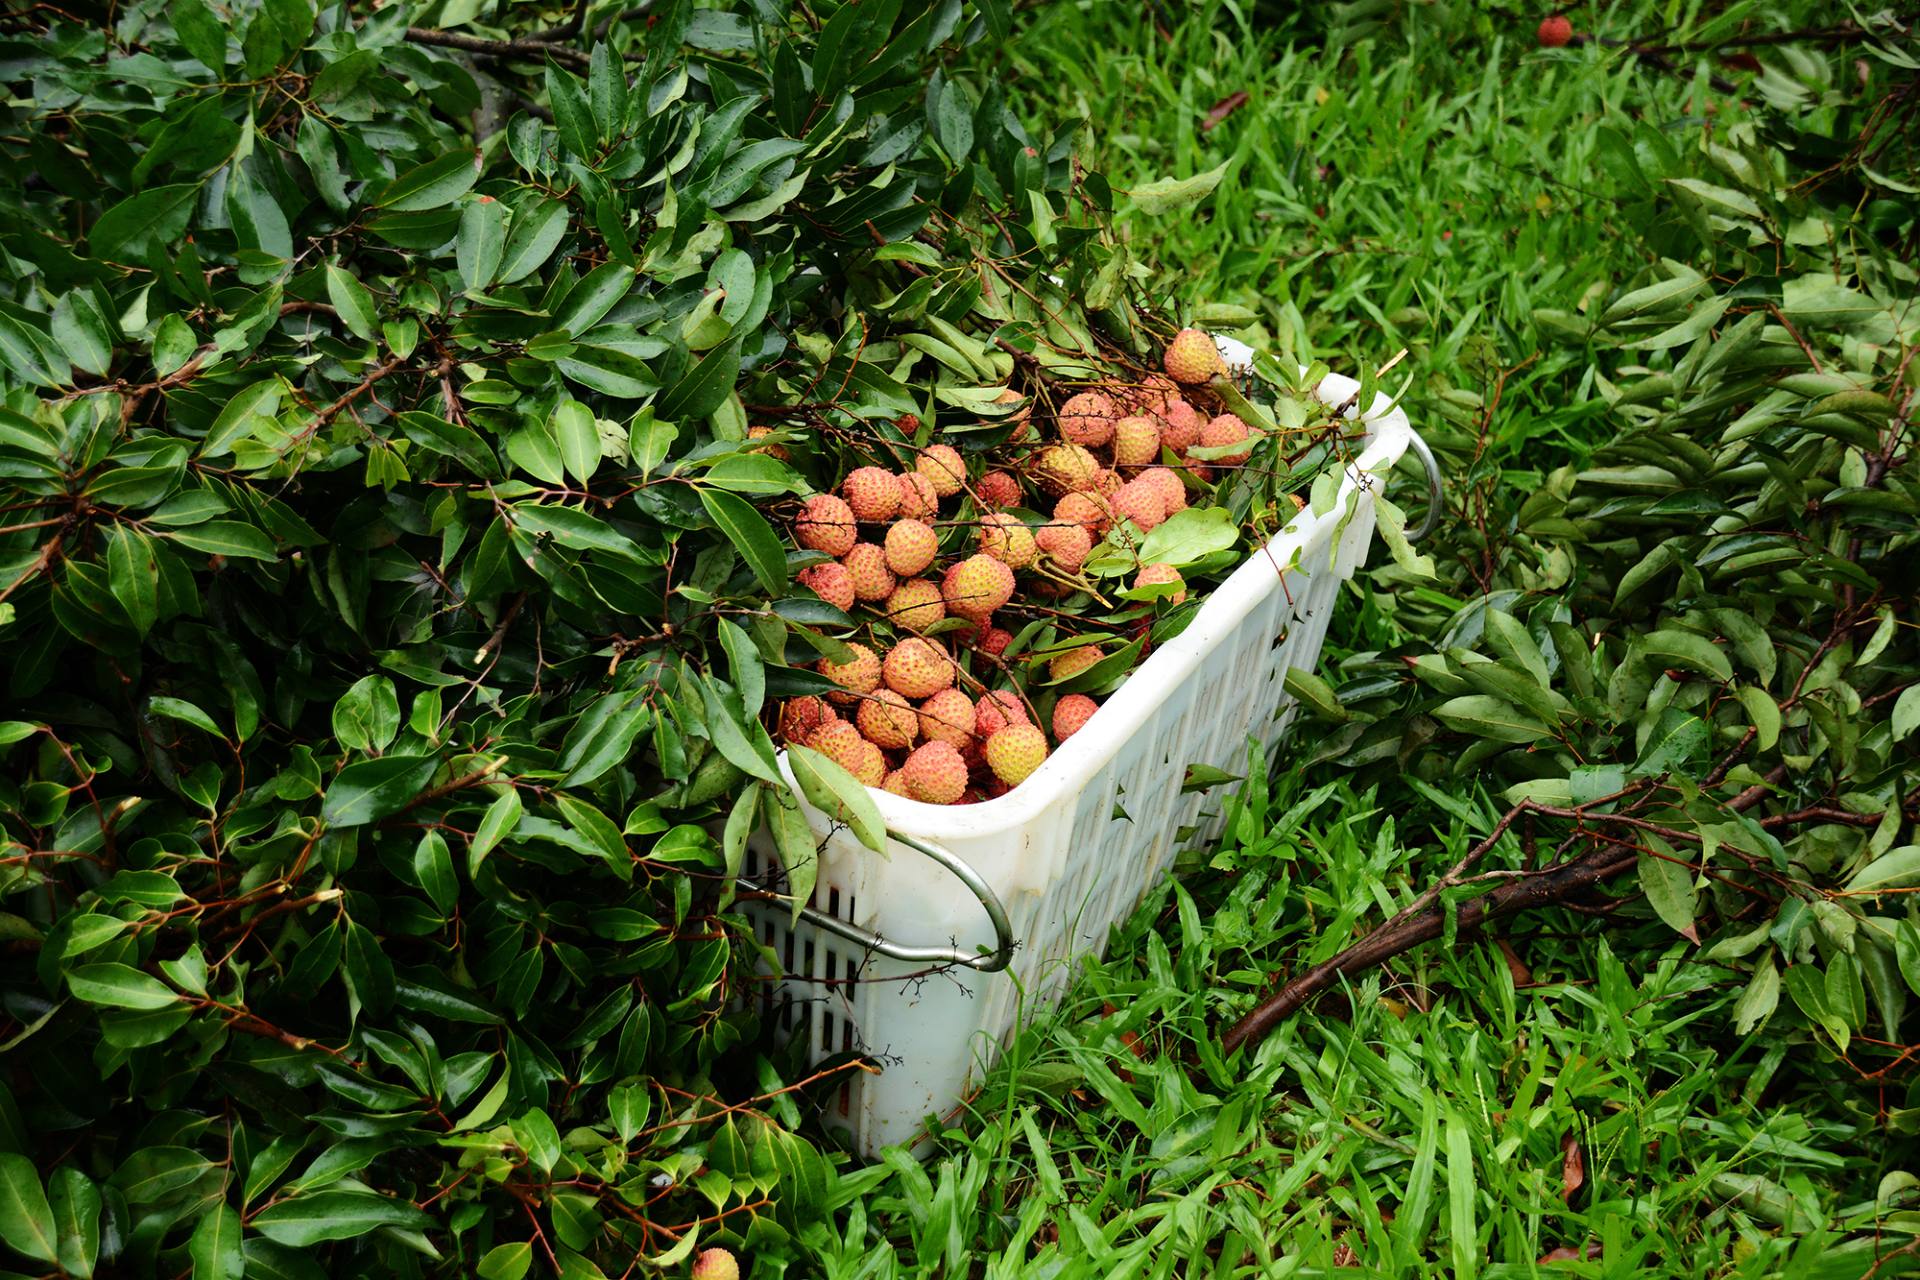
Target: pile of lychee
{"points": [[931, 706]]}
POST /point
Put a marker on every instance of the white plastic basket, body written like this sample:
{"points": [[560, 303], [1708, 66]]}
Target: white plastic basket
{"points": [[1003, 899]]}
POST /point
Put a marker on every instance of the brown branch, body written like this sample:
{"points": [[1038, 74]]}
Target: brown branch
{"points": [[1530, 890]]}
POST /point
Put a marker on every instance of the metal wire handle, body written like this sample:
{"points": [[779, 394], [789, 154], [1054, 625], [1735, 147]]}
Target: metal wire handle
{"points": [[981, 962], [1436, 501]]}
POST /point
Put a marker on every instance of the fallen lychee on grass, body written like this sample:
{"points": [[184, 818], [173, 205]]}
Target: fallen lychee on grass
{"points": [[1555, 32]]}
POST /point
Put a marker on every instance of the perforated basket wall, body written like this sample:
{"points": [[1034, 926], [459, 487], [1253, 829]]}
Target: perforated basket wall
{"points": [[1071, 851]]}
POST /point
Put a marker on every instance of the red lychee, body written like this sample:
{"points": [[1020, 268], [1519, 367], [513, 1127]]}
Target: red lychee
{"points": [[977, 586], [1006, 539], [911, 546], [1087, 419], [1071, 714], [998, 489], [1227, 429], [1136, 442], [1192, 358], [860, 674], [1555, 32], [831, 581], [942, 465], [1155, 575], [826, 524], [1066, 544], [948, 716], [1065, 468], [872, 493], [918, 498], [918, 668], [915, 604], [888, 721], [935, 773], [872, 580]]}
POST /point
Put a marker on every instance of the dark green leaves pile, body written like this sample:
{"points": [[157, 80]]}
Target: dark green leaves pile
{"points": [[387, 608], [1696, 655]]}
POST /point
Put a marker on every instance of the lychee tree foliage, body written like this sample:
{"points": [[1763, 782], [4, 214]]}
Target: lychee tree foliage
{"points": [[387, 605], [1696, 656]]}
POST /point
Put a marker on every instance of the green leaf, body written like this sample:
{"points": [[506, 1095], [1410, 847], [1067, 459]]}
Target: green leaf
{"points": [[156, 216], [226, 538], [596, 294], [355, 304], [215, 1245], [1669, 886], [75, 1204], [831, 789], [26, 1222], [572, 117], [185, 712], [704, 387], [321, 1216], [133, 575], [793, 840], [431, 185], [535, 232], [1316, 693], [83, 331], [1169, 195], [1761, 996], [506, 1261], [574, 431], [480, 246], [1190, 535], [603, 737], [1489, 717], [1895, 869], [1673, 648], [537, 1136], [607, 89], [1906, 713], [120, 986], [1763, 712], [751, 536], [258, 221], [1677, 743], [501, 817], [367, 715], [369, 790]]}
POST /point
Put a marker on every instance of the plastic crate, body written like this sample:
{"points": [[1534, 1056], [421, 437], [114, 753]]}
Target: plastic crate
{"points": [[926, 957]]}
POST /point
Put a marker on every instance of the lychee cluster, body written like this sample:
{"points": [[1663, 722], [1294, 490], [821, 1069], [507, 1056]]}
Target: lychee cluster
{"points": [[936, 699]]}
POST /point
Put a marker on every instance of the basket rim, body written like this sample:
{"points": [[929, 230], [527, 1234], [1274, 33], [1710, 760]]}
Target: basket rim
{"points": [[1073, 764]]}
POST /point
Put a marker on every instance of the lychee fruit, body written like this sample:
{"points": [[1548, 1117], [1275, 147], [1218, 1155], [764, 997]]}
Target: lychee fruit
{"points": [[826, 524], [841, 743], [896, 782], [1007, 540], [918, 668], [935, 773], [771, 450], [1066, 544], [831, 581], [1140, 503], [998, 489], [1015, 752], [1172, 492], [1154, 575], [941, 464], [918, 498], [1018, 419], [888, 720], [996, 711], [872, 580], [994, 642], [1136, 442], [1106, 483], [859, 674], [1087, 419], [799, 717], [1091, 512], [1180, 425], [1555, 32], [915, 604], [977, 586], [1071, 714], [1069, 663], [1192, 358], [715, 1264], [872, 493], [1222, 431], [948, 716], [911, 546], [1065, 468]]}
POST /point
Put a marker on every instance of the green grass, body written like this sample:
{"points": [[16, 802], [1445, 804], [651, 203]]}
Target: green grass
{"points": [[1566, 1085]]}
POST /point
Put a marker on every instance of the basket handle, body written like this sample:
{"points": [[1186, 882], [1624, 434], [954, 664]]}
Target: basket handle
{"points": [[1436, 502], [981, 962]]}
